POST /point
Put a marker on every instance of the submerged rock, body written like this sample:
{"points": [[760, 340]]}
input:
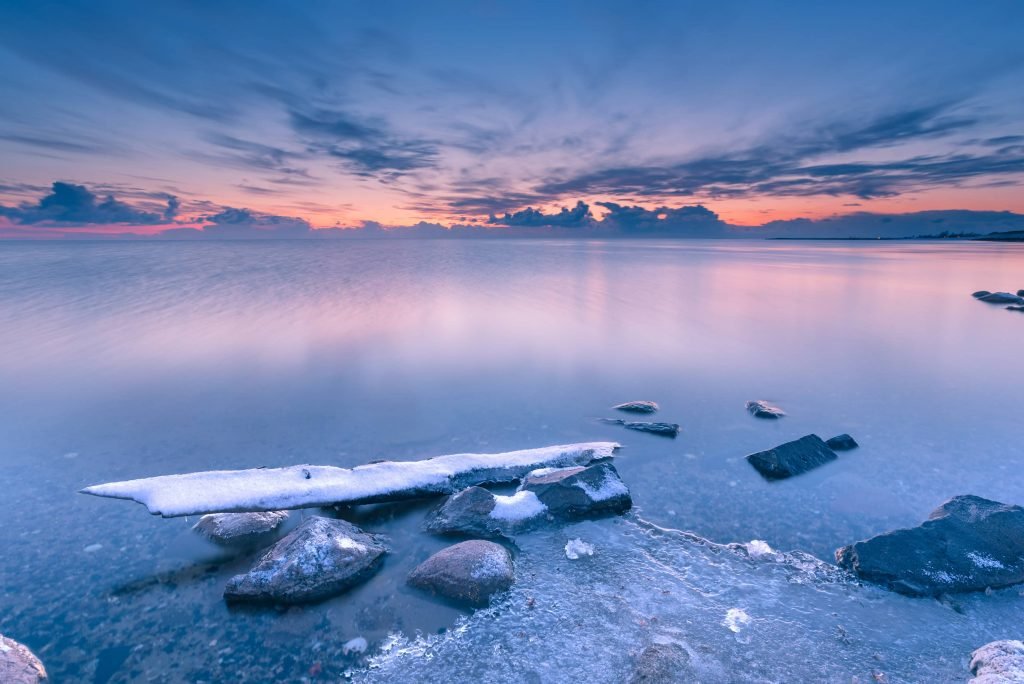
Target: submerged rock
{"points": [[967, 544], [843, 442], [319, 558], [762, 409], [981, 293], [998, 662], [637, 407], [1015, 307], [662, 664], [548, 494], [1002, 298], [19, 665], [792, 458], [240, 529], [470, 572], [664, 429]]}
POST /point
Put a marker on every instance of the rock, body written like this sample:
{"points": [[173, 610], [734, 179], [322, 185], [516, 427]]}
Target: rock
{"points": [[998, 662], [1002, 298], [967, 544], [1016, 307], [792, 458], [662, 664], [241, 529], [981, 293], [664, 429], [637, 407], [1020, 293], [470, 572], [843, 442], [571, 493], [18, 665], [319, 558], [548, 494], [762, 409]]}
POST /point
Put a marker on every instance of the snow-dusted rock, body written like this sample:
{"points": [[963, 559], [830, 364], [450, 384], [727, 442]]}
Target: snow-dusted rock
{"points": [[272, 489], [843, 442], [762, 409], [319, 558], [662, 664], [470, 572], [637, 407], [18, 665], [241, 529], [545, 495], [792, 458], [967, 544], [998, 662]]}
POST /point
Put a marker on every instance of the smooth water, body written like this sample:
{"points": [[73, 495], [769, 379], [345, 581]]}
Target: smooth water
{"points": [[134, 359]]}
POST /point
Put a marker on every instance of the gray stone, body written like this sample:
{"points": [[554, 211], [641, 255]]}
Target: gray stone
{"points": [[762, 409], [470, 572], [998, 662], [1001, 298], [662, 664], [18, 665], [843, 442], [637, 407], [241, 529], [571, 493], [663, 429], [467, 512], [967, 544], [792, 458], [318, 559], [981, 293]]}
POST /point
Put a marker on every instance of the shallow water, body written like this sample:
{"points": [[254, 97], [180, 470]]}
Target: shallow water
{"points": [[126, 360]]}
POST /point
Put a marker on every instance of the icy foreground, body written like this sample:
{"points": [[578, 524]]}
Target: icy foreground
{"points": [[271, 489], [793, 618]]}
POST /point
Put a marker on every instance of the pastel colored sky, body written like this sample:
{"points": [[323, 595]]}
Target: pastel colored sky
{"points": [[338, 112]]}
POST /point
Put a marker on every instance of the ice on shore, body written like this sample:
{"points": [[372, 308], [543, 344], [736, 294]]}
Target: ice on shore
{"points": [[270, 489], [576, 548]]}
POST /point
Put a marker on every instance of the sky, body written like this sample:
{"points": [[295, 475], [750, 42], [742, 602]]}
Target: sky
{"points": [[224, 117]]}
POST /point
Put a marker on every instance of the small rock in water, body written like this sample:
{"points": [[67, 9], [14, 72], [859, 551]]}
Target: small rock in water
{"points": [[470, 572], [575, 548], [998, 662], [843, 442], [1020, 293], [1002, 298], [762, 409], [1016, 307], [18, 665], [240, 529], [792, 458], [662, 664], [319, 558], [357, 645], [981, 293], [967, 544], [664, 429], [637, 407]]}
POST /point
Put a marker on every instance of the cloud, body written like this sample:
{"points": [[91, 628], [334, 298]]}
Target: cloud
{"points": [[566, 218], [245, 224], [68, 203], [692, 221]]}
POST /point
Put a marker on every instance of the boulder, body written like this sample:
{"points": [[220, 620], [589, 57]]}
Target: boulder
{"points": [[637, 407], [967, 544], [662, 664], [318, 559], [998, 662], [18, 665], [1002, 298], [762, 409], [241, 529], [981, 293], [470, 572], [1020, 293], [792, 458], [545, 495], [1016, 307], [843, 442]]}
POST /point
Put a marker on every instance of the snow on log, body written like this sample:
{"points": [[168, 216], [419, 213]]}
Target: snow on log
{"points": [[273, 489]]}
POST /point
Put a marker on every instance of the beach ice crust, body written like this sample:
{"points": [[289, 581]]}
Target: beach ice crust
{"points": [[270, 489]]}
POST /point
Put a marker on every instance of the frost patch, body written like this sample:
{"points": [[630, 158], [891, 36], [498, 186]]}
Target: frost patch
{"points": [[983, 561], [577, 548], [517, 507], [610, 488], [757, 548], [736, 619]]}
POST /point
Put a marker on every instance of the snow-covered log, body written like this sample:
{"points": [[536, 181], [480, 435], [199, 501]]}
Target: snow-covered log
{"points": [[273, 489]]}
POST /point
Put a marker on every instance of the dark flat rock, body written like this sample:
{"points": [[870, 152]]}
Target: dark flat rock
{"points": [[241, 529], [320, 558], [1016, 307], [1020, 293], [19, 665], [980, 293], [967, 544], [1002, 298], [470, 572], [637, 407], [792, 458], [762, 409], [843, 442]]}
